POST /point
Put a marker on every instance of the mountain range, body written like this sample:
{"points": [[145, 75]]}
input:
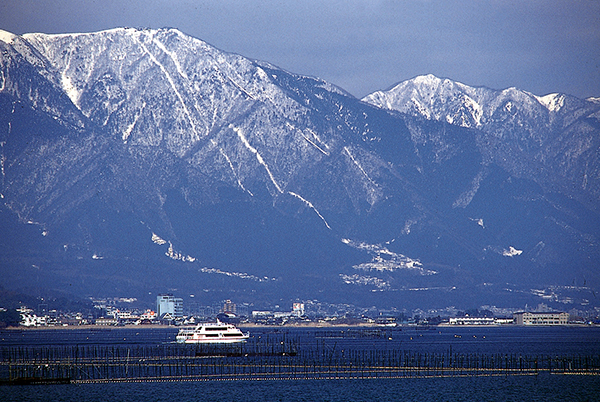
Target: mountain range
{"points": [[142, 161]]}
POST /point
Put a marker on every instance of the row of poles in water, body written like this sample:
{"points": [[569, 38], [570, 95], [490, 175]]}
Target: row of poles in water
{"points": [[268, 359]]}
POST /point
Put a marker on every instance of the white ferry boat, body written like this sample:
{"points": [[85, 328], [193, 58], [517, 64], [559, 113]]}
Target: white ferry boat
{"points": [[211, 333]]}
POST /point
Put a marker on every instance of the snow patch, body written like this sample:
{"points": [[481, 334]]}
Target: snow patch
{"points": [[475, 109], [511, 252], [364, 281], [171, 253], [71, 90], [241, 275], [465, 198], [312, 143], [172, 83], [175, 255], [552, 102], [234, 173], [306, 138], [2, 172], [158, 240], [7, 37], [359, 166], [316, 136], [310, 205], [478, 221], [260, 159], [386, 260], [424, 111], [445, 288], [129, 129], [173, 57], [407, 225]]}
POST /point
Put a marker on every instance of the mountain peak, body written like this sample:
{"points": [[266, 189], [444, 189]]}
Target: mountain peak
{"points": [[430, 96], [427, 79], [528, 124], [196, 169], [456, 103], [116, 72], [7, 37], [428, 82]]}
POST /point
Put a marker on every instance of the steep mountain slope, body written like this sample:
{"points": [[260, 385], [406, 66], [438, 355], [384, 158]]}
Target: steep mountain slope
{"points": [[138, 161], [554, 138]]}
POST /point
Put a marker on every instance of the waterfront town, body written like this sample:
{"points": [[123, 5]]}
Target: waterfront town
{"points": [[170, 310]]}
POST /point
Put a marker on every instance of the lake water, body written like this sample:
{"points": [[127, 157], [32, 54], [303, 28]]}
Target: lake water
{"points": [[547, 341], [528, 388]]}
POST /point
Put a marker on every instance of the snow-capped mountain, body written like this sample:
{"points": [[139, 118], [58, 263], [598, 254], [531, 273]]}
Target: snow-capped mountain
{"points": [[139, 160], [553, 138], [479, 107]]}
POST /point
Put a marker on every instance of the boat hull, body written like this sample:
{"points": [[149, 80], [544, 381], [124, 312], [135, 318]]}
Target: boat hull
{"points": [[222, 341]]}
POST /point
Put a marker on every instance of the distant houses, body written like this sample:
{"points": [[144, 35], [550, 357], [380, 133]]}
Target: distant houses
{"points": [[170, 311]]}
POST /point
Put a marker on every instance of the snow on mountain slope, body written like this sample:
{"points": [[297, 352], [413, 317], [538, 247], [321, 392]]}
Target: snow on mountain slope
{"points": [[520, 131], [477, 107], [153, 87], [169, 115], [114, 139], [435, 99], [128, 79], [28, 76]]}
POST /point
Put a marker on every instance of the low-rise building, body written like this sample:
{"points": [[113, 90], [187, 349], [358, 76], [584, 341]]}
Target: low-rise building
{"points": [[479, 321], [148, 315], [536, 318], [471, 321]]}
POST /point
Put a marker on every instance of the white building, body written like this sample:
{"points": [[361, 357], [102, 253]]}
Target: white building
{"points": [[28, 319], [166, 303], [471, 321], [298, 309], [535, 318], [479, 321]]}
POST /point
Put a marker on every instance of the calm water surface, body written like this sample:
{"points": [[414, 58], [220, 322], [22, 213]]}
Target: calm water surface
{"points": [[490, 340], [531, 341], [527, 388]]}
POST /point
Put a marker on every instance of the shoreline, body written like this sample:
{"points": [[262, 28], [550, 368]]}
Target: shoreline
{"points": [[159, 326], [307, 325]]}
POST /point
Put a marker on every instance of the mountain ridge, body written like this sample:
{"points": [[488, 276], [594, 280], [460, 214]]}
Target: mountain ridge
{"points": [[533, 124], [150, 160]]}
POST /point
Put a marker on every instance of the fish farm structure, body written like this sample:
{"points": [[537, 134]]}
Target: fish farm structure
{"points": [[276, 356]]}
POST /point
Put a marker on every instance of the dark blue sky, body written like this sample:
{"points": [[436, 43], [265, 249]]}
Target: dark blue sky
{"points": [[540, 46]]}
